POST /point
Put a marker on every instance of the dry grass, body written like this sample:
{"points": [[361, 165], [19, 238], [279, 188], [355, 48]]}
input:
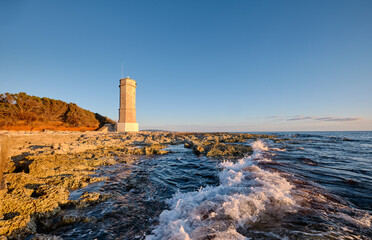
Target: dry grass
{"points": [[4, 157]]}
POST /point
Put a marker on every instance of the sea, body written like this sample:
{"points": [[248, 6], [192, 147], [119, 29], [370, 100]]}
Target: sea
{"points": [[309, 185]]}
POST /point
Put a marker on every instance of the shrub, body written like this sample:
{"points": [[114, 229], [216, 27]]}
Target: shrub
{"points": [[21, 108]]}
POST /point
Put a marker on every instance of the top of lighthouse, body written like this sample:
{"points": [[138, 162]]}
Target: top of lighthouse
{"points": [[128, 81]]}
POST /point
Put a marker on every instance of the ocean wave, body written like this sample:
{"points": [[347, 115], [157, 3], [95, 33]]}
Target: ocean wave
{"points": [[255, 200], [247, 194]]}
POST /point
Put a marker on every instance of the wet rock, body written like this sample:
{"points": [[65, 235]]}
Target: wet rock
{"points": [[215, 148], [150, 150], [187, 145], [221, 149], [198, 149], [45, 237], [72, 181], [161, 152], [90, 198], [46, 165], [74, 218], [346, 139]]}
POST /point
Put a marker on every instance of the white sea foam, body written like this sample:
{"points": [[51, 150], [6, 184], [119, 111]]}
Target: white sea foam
{"points": [[364, 220], [246, 194], [259, 146], [279, 149]]}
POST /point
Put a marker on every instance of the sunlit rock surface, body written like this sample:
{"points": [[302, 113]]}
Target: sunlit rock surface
{"points": [[44, 167]]}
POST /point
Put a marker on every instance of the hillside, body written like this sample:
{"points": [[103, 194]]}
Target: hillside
{"points": [[24, 112]]}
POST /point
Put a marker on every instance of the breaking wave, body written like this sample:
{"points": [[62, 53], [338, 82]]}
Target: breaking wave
{"points": [[247, 194], [256, 201]]}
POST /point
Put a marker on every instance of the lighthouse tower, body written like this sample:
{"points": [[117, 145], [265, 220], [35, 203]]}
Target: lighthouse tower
{"points": [[127, 111]]}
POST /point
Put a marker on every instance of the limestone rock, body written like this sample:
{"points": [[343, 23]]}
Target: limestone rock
{"points": [[74, 218], [45, 166], [90, 198]]}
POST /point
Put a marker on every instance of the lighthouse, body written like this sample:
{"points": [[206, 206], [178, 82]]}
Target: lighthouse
{"points": [[127, 109]]}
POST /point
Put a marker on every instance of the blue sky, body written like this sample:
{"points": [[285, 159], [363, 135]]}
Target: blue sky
{"points": [[199, 65]]}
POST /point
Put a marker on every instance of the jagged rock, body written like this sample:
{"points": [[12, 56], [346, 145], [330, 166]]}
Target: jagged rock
{"points": [[187, 145], [198, 149], [72, 181], [17, 227], [149, 150], [46, 165], [68, 219], [90, 198], [20, 210], [220, 149]]}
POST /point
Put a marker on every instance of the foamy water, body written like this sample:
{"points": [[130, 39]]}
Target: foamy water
{"points": [[255, 203], [247, 194], [313, 186]]}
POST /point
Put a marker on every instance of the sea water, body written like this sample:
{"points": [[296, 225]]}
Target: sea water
{"points": [[312, 185]]}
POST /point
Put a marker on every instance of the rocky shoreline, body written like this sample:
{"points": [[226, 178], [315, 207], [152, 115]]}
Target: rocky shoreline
{"points": [[43, 168]]}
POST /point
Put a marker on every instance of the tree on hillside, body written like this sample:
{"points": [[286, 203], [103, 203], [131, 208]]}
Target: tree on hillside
{"points": [[20, 109]]}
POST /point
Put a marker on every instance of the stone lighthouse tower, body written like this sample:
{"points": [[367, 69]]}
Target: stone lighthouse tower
{"points": [[127, 111]]}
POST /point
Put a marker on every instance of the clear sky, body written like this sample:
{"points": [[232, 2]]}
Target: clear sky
{"points": [[199, 65]]}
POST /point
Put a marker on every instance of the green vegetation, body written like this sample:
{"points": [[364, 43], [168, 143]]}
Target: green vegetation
{"points": [[21, 109]]}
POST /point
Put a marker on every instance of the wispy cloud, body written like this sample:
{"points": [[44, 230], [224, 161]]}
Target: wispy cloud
{"points": [[299, 117], [338, 119], [327, 119], [272, 117]]}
